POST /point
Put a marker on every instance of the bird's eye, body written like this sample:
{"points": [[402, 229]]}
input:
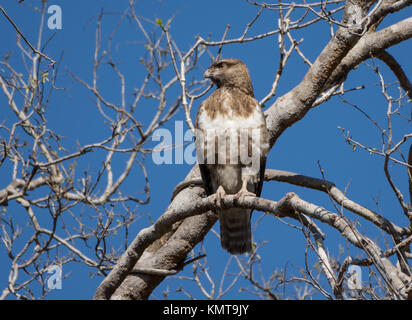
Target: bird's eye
{"points": [[220, 65]]}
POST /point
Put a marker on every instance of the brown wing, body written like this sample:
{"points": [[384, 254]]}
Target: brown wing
{"points": [[264, 149], [204, 170], [207, 182], [261, 178], [259, 123]]}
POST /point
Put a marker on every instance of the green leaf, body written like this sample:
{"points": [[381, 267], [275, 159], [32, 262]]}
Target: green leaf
{"points": [[44, 77], [159, 22]]}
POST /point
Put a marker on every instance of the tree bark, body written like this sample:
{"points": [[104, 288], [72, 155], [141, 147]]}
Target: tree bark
{"points": [[346, 49]]}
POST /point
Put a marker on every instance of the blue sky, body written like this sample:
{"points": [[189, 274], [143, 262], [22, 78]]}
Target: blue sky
{"points": [[315, 138]]}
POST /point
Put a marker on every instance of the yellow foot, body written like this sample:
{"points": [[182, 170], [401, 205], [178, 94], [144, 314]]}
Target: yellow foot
{"points": [[243, 193], [220, 193]]}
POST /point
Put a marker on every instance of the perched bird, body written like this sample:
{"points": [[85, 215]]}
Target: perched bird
{"points": [[232, 146]]}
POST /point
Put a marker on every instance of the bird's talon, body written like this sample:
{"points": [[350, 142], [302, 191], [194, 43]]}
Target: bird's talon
{"points": [[244, 193], [220, 193]]}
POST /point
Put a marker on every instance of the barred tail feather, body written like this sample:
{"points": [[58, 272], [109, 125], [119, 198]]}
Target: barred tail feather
{"points": [[235, 230]]}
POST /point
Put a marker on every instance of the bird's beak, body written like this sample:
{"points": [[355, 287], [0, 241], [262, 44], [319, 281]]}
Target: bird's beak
{"points": [[207, 74]]}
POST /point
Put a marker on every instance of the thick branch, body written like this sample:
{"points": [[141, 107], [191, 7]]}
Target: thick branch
{"points": [[293, 106], [372, 44], [286, 111], [180, 209], [289, 206], [338, 196]]}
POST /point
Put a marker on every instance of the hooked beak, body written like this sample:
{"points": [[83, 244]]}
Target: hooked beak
{"points": [[207, 74]]}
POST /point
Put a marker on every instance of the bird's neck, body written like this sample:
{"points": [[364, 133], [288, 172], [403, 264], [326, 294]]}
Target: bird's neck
{"points": [[246, 89]]}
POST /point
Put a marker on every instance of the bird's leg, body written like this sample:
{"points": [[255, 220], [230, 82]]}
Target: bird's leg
{"points": [[243, 192], [220, 193]]}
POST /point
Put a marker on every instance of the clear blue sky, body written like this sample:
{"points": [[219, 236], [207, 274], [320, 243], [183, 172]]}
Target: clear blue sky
{"points": [[72, 114]]}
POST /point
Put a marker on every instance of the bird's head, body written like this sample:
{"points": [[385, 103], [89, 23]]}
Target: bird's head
{"points": [[230, 73]]}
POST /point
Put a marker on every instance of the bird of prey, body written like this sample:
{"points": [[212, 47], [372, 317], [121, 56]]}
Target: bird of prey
{"points": [[232, 146]]}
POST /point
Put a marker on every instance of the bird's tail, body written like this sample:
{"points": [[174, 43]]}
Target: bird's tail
{"points": [[235, 230]]}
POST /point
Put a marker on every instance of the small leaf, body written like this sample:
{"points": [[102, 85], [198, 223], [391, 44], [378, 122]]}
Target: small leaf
{"points": [[44, 77], [159, 22]]}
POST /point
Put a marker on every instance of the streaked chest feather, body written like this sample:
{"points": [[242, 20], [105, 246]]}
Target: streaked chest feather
{"points": [[229, 119], [231, 138]]}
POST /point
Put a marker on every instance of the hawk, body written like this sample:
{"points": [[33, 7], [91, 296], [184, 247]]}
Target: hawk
{"points": [[231, 147]]}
